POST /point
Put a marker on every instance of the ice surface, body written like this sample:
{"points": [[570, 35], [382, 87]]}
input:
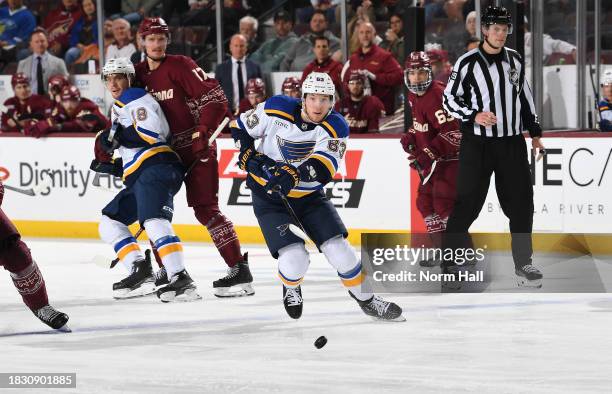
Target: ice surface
{"points": [[452, 343]]}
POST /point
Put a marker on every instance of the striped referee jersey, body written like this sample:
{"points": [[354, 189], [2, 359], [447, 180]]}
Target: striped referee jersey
{"points": [[482, 82]]}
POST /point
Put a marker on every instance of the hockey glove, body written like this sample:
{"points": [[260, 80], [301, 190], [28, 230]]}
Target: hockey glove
{"points": [[40, 128], [425, 157], [285, 178], [114, 168], [199, 141], [253, 162], [408, 141]]}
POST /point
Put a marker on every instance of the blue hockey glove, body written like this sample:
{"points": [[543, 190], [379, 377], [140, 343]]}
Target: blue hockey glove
{"points": [[253, 162], [285, 178]]}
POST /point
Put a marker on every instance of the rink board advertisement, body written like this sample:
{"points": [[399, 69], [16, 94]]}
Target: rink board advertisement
{"points": [[371, 190]]}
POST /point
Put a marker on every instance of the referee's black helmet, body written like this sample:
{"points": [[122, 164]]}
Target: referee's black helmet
{"points": [[496, 16]]}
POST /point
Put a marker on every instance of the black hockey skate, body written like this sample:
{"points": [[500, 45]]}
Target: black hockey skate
{"points": [[161, 278], [450, 279], [528, 276], [53, 318], [292, 298], [180, 289], [139, 283], [379, 309], [239, 276]]}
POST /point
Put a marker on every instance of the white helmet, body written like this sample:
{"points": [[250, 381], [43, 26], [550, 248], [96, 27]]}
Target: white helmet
{"points": [[319, 83], [606, 78], [120, 65]]}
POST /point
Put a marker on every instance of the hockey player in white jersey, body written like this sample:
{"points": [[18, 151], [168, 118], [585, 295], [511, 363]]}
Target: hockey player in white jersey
{"points": [[152, 174], [301, 144]]}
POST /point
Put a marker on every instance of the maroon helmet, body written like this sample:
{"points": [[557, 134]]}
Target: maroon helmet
{"points": [[153, 26], [291, 84], [255, 86], [437, 55], [19, 78], [356, 75], [70, 92], [418, 60], [56, 84]]}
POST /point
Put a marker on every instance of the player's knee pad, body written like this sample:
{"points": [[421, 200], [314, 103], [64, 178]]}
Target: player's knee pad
{"points": [[112, 231], [208, 215], [158, 228], [16, 257], [293, 261], [340, 254], [167, 244]]}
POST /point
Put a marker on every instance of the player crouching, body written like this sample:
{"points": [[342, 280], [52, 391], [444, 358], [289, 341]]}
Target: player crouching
{"points": [[302, 143], [152, 175]]}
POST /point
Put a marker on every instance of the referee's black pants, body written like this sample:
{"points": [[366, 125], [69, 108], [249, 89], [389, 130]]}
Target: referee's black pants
{"points": [[479, 157]]}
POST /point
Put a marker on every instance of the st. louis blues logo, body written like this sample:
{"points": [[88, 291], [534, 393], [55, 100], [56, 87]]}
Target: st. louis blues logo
{"points": [[282, 229], [294, 151]]}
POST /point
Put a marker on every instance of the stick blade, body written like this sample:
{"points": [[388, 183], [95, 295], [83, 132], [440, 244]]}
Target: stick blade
{"points": [[298, 232]]}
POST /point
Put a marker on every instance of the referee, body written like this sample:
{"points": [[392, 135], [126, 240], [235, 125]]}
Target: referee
{"points": [[488, 93]]}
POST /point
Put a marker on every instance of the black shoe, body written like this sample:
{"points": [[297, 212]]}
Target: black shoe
{"points": [[379, 309], [52, 317], [528, 276], [181, 288], [292, 298], [240, 276], [138, 283]]}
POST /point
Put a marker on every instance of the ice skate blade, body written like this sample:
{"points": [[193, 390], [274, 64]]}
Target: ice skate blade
{"points": [[533, 284], [188, 295], [144, 290], [64, 328], [242, 290], [399, 319]]}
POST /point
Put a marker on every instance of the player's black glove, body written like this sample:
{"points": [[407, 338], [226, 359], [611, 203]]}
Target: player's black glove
{"points": [[284, 178], [254, 162], [103, 142], [114, 168]]}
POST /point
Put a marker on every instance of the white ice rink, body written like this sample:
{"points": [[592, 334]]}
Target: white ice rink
{"points": [[451, 343]]}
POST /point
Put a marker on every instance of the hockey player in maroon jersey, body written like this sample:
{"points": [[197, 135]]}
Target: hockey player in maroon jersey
{"points": [[59, 23], [24, 108], [361, 111], [15, 257], [256, 93], [74, 114], [56, 84], [292, 87], [194, 105], [434, 137]]}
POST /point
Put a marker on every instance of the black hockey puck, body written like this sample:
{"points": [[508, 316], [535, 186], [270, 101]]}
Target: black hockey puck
{"points": [[320, 342]]}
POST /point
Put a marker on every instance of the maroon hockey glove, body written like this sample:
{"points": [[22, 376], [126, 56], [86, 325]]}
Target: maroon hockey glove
{"points": [[39, 129], [199, 141], [101, 151], [408, 140]]}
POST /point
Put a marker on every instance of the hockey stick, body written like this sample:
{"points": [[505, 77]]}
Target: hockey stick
{"points": [[417, 166], [102, 261], [212, 139], [33, 191]]}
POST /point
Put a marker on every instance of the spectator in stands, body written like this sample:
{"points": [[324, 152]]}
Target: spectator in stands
{"points": [[139, 55], [605, 105], [324, 63], [470, 24], [549, 46], [394, 38], [255, 94], [472, 43], [24, 108], [41, 64], [16, 24], [440, 66], [169, 7], [271, 53], [55, 86], [122, 46], [378, 65], [248, 27], [361, 111], [292, 87], [75, 114], [328, 7], [84, 36], [300, 54], [134, 10], [59, 23], [233, 73]]}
